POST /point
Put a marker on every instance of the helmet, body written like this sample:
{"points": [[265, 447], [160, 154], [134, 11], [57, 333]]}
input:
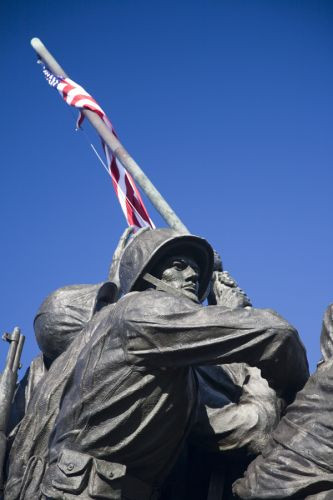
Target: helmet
{"points": [[65, 312], [148, 248]]}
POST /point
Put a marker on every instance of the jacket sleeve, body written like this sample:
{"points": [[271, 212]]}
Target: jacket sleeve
{"points": [[243, 425], [163, 331]]}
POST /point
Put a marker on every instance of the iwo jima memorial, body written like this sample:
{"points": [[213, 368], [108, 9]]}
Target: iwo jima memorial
{"points": [[162, 382]]}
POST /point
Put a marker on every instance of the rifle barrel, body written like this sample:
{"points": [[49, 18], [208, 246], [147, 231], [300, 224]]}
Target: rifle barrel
{"points": [[8, 382], [13, 339], [16, 364]]}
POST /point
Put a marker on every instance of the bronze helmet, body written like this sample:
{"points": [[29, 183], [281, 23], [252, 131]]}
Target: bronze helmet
{"points": [[149, 247]]}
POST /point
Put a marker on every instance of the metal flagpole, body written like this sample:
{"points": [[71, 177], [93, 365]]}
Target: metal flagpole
{"points": [[117, 148]]}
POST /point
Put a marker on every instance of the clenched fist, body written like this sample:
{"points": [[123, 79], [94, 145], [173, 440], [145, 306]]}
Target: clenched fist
{"points": [[226, 292]]}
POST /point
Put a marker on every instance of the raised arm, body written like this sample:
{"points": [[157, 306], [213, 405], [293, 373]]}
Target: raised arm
{"points": [[162, 331]]}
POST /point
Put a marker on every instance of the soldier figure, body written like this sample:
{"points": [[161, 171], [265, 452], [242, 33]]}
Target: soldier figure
{"points": [[133, 396], [298, 460]]}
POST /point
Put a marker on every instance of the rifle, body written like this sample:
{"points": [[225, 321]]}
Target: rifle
{"points": [[8, 382]]}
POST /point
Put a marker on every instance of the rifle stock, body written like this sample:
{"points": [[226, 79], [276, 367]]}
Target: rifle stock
{"points": [[7, 388]]}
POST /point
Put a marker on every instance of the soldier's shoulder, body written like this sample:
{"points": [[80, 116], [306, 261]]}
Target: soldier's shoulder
{"points": [[155, 299]]}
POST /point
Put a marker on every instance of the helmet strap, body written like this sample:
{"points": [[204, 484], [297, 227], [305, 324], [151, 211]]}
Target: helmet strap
{"points": [[161, 285]]}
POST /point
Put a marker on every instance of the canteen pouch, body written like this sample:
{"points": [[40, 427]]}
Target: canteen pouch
{"points": [[106, 480]]}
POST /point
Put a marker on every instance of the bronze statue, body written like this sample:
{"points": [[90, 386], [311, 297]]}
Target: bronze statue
{"points": [[115, 400], [131, 399]]}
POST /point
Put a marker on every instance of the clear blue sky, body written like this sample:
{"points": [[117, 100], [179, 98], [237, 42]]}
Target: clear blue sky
{"points": [[226, 105]]}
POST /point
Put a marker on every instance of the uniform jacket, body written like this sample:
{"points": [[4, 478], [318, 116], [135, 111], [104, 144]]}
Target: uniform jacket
{"points": [[133, 394]]}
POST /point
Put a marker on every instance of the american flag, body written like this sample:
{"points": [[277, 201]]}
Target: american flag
{"points": [[128, 195]]}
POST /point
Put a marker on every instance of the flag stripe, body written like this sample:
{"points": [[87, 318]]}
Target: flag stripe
{"points": [[128, 194]]}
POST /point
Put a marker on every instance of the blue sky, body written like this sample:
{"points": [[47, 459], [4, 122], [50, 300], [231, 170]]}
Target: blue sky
{"points": [[226, 105]]}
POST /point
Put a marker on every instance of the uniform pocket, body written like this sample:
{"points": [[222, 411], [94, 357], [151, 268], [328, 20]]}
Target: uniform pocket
{"points": [[106, 480], [70, 473]]}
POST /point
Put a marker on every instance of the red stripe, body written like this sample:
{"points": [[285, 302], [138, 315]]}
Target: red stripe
{"points": [[78, 97], [115, 174], [100, 113], [68, 87], [130, 199], [138, 200], [134, 203]]}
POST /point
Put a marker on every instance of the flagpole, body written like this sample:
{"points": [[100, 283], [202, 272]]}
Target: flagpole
{"points": [[117, 148]]}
